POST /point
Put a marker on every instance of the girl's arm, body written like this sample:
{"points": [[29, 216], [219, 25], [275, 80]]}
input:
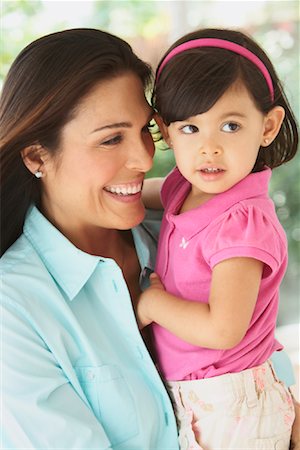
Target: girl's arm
{"points": [[151, 193], [220, 324]]}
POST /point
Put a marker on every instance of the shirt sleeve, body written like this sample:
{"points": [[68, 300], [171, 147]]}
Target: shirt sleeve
{"points": [[245, 231], [40, 407]]}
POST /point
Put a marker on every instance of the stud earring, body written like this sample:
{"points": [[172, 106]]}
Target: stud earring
{"points": [[38, 174], [266, 141]]}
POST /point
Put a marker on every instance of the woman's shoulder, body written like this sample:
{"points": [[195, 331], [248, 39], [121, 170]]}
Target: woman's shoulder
{"points": [[16, 256], [19, 255], [21, 272]]}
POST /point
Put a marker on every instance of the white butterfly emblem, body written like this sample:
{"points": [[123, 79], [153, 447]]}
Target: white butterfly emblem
{"points": [[184, 243]]}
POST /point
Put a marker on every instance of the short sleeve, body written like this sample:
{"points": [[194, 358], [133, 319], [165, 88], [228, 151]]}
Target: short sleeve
{"points": [[246, 231]]}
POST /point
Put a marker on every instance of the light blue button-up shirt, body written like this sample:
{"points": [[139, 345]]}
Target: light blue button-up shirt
{"points": [[75, 371]]}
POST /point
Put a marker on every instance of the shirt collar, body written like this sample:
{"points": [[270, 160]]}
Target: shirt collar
{"points": [[254, 185], [69, 266]]}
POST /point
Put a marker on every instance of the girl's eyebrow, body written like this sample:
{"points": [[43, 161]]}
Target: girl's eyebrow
{"points": [[233, 113], [120, 124]]}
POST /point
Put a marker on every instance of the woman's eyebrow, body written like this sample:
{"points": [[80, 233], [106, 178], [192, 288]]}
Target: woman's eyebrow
{"points": [[120, 124], [113, 125]]}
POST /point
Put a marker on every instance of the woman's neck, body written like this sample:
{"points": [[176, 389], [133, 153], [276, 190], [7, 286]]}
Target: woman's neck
{"points": [[108, 243]]}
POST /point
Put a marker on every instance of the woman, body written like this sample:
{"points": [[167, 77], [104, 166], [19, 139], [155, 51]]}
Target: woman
{"points": [[74, 150], [75, 147]]}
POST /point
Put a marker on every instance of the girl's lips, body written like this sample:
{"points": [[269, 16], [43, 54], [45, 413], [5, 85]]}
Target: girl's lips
{"points": [[211, 173], [210, 168]]}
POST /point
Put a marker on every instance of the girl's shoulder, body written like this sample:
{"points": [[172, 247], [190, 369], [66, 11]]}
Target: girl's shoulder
{"points": [[250, 228], [253, 214], [174, 184]]}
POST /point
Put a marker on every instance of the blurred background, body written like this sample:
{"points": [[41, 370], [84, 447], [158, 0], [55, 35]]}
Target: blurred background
{"points": [[150, 27]]}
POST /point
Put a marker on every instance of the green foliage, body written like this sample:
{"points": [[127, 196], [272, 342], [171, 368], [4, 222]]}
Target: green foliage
{"points": [[125, 18], [16, 29]]}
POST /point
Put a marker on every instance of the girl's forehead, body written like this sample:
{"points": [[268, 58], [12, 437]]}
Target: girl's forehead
{"points": [[237, 87], [237, 95], [235, 101]]}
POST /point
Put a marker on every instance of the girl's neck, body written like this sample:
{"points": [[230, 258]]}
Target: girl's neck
{"points": [[193, 200]]}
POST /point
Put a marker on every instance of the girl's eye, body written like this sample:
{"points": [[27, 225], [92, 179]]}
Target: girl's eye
{"points": [[189, 129], [113, 141], [230, 127]]}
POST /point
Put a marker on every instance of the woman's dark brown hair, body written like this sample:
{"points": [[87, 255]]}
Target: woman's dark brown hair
{"points": [[193, 81], [41, 91]]}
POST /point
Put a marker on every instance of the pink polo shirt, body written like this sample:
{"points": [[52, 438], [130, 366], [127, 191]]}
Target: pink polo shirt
{"points": [[239, 222]]}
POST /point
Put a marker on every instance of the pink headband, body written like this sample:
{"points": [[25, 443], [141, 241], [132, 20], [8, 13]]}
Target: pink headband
{"points": [[220, 43]]}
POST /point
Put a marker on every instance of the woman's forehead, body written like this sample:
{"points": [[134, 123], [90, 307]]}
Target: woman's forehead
{"points": [[116, 103]]}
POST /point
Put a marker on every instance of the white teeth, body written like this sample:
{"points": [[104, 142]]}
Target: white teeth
{"points": [[124, 190], [211, 169]]}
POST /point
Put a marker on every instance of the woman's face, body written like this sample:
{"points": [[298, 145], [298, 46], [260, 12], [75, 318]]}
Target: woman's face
{"points": [[105, 150]]}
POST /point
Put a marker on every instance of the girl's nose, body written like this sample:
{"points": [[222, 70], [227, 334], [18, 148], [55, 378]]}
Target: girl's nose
{"points": [[211, 149]]}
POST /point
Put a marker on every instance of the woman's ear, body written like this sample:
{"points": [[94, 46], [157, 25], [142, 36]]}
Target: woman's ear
{"points": [[33, 157], [163, 129], [273, 122]]}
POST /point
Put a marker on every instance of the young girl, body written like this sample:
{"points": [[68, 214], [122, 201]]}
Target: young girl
{"points": [[222, 251]]}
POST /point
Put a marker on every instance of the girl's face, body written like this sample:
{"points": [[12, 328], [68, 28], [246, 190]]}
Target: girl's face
{"points": [[96, 179], [217, 149]]}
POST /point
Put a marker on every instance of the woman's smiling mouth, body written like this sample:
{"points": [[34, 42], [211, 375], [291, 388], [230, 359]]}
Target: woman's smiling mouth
{"points": [[128, 189]]}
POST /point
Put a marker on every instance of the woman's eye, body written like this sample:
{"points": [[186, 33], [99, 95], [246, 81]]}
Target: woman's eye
{"points": [[189, 129], [112, 141], [230, 127]]}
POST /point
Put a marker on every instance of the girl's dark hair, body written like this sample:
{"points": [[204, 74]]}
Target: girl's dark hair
{"points": [[44, 85], [193, 81]]}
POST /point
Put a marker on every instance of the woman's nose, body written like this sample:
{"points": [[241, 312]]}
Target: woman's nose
{"points": [[141, 155]]}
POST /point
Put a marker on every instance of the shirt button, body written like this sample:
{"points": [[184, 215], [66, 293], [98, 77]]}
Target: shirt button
{"points": [[166, 418], [90, 375]]}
